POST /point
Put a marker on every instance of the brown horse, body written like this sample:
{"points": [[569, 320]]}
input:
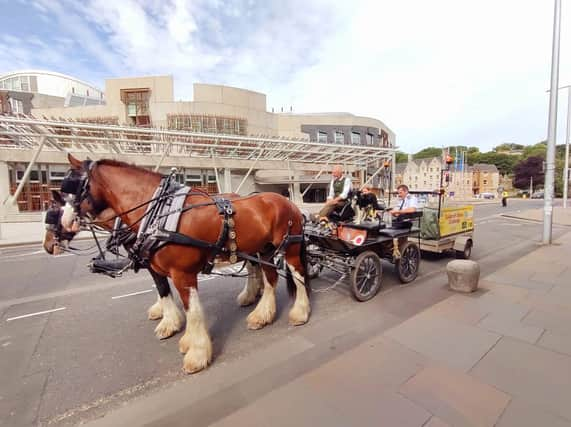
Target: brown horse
{"points": [[262, 222], [57, 238]]}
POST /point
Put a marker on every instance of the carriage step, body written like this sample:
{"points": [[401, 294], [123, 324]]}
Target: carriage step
{"points": [[111, 268]]}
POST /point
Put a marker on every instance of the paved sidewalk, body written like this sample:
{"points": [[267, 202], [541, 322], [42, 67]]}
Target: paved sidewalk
{"points": [[561, 216], [498, 357]]}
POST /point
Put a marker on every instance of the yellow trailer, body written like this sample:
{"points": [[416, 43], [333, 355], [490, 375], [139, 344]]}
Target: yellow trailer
{"points": [[447, 229]]}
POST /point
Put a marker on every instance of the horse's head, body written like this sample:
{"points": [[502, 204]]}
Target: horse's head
{"points": [[76, 185], [57, 236]]}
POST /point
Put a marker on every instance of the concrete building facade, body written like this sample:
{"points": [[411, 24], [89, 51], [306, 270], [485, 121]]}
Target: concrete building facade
{"points": [[216, 112]]}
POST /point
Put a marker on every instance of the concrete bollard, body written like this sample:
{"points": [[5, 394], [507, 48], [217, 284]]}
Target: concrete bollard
{"points": [[463, 275]]}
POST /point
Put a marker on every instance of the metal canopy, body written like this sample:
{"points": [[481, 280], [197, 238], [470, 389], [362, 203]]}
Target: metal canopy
{"points": [[25, 133]]}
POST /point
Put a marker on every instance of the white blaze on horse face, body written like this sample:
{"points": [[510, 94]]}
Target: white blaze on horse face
{"points": [[68, 216]]}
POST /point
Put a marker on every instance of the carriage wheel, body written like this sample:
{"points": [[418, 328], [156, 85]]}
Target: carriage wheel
{"points": [[366, 276], [408, 263]]}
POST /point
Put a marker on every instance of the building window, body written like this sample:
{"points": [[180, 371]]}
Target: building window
{"points": [[339, 137], [322, 137], [485, 182], [193, 180], [369, 139], [34, 176], [355, 138], [17, 106]]}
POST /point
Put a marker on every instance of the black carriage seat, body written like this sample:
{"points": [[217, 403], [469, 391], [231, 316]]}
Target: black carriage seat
{"points": [[406, 220]]}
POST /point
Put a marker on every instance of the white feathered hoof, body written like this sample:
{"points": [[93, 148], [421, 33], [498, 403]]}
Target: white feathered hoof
{"points": [[155, 311], [197, 358], [246, 298], [263, 315], [298, 316], [184, 343], [167, 328]]}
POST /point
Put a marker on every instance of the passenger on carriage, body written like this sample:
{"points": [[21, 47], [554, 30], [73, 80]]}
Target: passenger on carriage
{"points": [[339, 189], [406, 203]]}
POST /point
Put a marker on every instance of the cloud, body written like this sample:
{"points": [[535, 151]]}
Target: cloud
{"points": [[437, 73]]}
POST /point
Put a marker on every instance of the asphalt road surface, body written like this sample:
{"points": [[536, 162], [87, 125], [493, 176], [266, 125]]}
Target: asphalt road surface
{"points": [[74, 345]]}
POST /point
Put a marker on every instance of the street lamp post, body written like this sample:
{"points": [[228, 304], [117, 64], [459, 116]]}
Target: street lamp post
{"points": [[568, 136], [551, 129]]}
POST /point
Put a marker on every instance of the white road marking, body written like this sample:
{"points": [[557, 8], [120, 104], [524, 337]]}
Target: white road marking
{"points": [[34, 314], [132, 294]]}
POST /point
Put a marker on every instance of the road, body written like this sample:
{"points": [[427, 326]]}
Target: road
{"points": [[74, 345]]}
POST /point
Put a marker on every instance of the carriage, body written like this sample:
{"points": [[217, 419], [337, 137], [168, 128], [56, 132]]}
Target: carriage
{"points": [[357, 250]]}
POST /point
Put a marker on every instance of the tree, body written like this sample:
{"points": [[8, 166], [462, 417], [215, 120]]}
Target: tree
{"points": [[401, 157], [428, 153], [526, 169], [508, 146], [537, 150], [504, 162]]}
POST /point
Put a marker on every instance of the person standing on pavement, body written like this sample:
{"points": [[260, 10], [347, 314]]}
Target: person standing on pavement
{"points": [[504, 199], [339, 189]]}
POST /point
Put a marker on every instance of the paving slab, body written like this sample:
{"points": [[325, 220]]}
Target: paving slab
{"points": [[436, 422], [375, 365], [520, 413], [436, 337], [455, 397], [298, 404], [556, 319], [511, 328], [529, 372], [504, 291], [560, 343]]}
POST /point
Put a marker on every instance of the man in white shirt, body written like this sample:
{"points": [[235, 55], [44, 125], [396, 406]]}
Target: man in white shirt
{"points": [[406, 202], [339, 189]]}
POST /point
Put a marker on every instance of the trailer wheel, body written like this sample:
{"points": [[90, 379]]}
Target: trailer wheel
{"points": [[467, 252], [408, 263], [366, 276]]}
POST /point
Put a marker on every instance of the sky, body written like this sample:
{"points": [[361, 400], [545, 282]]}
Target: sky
{"points": [[437, 73]]}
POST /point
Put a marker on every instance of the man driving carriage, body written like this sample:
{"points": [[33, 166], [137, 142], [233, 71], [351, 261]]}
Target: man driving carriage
{"points": [[407, 203], [339, 189]]}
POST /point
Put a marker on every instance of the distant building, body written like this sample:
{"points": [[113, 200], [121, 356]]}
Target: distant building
{"points": [[486, 178], [21, 91], [425, 175]]}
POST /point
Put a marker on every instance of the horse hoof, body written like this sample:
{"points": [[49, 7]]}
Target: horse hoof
{"points": [[155, 311], [165, 331], [196, 360], [245, 300], [298, 320], [255, 322], [298, 317], [184, 343]]}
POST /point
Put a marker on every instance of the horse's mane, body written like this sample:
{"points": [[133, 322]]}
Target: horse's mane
{"points": [[118, 163]]}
